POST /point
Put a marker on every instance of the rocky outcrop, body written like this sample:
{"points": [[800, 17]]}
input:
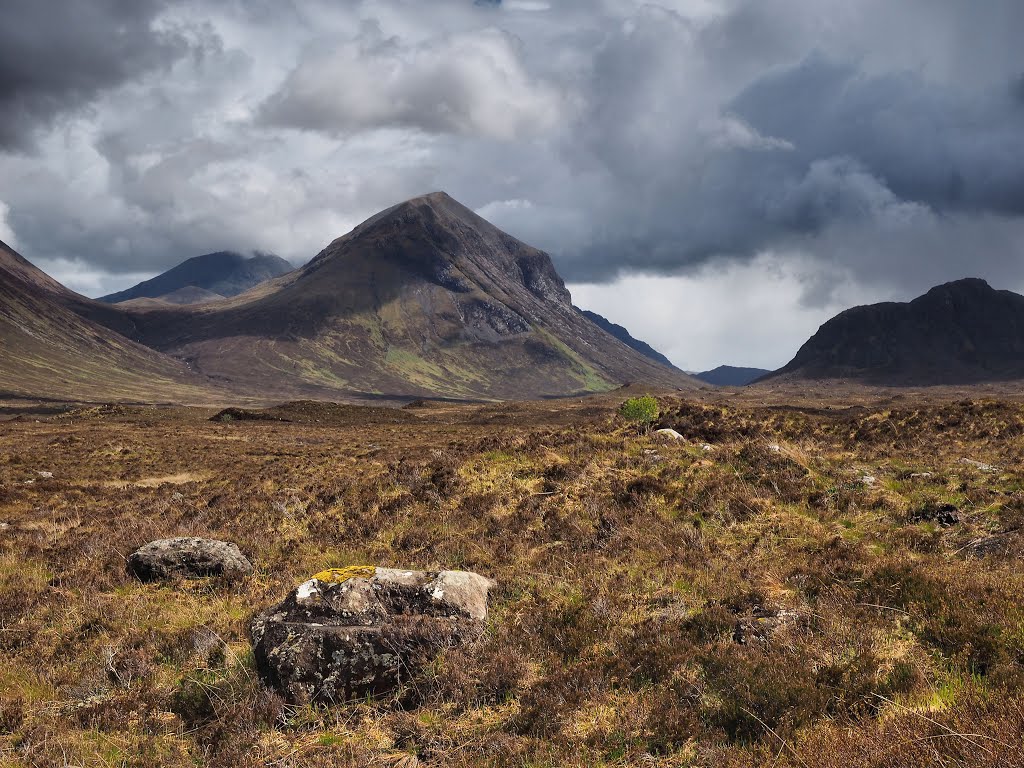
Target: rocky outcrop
{"points": [[187, 558], [361, 631]]}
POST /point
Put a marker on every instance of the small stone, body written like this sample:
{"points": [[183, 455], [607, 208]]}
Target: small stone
{"points": [[980, 465], [188, 558], [669, 434]]}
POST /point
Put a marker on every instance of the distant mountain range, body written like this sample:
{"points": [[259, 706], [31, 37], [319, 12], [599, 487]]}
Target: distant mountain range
{"points": [[731, 376], [961, 332], [427, 299], [206, 278], [423, 299], [626, 338]]}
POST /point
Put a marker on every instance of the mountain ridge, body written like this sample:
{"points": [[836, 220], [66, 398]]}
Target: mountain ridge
{"points": [[732, 376], [960, 332], [51, 352], [622, 334], [425, 298], [225, 273]]}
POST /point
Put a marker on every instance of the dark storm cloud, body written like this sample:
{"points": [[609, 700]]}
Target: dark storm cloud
{"points": [[926, 142], [56, 55], [875, 142], [799, 158]]}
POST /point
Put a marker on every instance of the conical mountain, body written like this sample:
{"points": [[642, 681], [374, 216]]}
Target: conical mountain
{"points": [[205, 278], [961, 332], [425, 299], [49, 352]]}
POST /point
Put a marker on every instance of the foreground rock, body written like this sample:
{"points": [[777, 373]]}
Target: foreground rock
{"points": [[362, 631], [188, 558]]}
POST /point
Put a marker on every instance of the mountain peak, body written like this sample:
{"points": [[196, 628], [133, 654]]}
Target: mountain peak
{"points": [[424, 298], [226, 273], [436, 237], [967, 287], [959, 332], [438, 197]]}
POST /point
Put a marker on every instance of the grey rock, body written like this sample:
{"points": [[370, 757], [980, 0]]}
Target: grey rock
{"points": [[188, 558], [340, 636]]}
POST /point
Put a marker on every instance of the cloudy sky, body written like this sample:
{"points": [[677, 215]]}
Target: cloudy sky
{"points": [[720, 176]]}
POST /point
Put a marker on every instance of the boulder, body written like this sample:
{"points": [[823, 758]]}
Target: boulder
{"points": [[187, 558], [358, 631]]}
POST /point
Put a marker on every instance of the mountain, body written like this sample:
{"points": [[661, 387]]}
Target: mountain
{"points": [[731, 376], [626, 338], [423, 299], [958, 333], [190, 294], [47, 351], [223, 273]]}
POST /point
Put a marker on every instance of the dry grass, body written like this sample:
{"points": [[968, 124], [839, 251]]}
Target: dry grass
{"points": [[775, 589]]}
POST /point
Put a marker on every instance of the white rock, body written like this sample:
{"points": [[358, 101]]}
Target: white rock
{"points": [[305, 591], [670, 434], [980, 465]]}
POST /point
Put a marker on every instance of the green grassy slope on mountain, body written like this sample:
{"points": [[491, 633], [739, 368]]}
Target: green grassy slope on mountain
{"points": [[426, 298], [49, 352]]}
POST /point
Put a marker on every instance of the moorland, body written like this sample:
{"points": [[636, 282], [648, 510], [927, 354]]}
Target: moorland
{"points": [[804, 579]]}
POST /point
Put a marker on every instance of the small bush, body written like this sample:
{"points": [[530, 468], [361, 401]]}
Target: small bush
{"points": [[641, 411]]}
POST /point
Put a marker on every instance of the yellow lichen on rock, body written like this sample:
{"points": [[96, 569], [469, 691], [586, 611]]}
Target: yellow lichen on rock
{"points": [[338, 575]]}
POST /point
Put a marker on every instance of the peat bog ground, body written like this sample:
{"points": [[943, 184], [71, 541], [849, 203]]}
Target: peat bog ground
{"points": [[796, 585]]}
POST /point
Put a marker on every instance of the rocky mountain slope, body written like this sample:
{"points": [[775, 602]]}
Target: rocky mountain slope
{"points": [[958, 333], [731, 376], [623, 335], [423, 299], [49, 352], [207, 277]]}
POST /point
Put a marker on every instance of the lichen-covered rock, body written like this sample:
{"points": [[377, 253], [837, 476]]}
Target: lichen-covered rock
{"points": [[359, 631], [188, 558]]}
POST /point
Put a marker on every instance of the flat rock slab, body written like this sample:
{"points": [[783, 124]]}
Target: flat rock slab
{"points": [[361, 631], [188, 558]]}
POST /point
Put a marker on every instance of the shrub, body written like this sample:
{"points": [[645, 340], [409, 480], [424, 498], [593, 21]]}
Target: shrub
{"points": [[642, 411]]}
